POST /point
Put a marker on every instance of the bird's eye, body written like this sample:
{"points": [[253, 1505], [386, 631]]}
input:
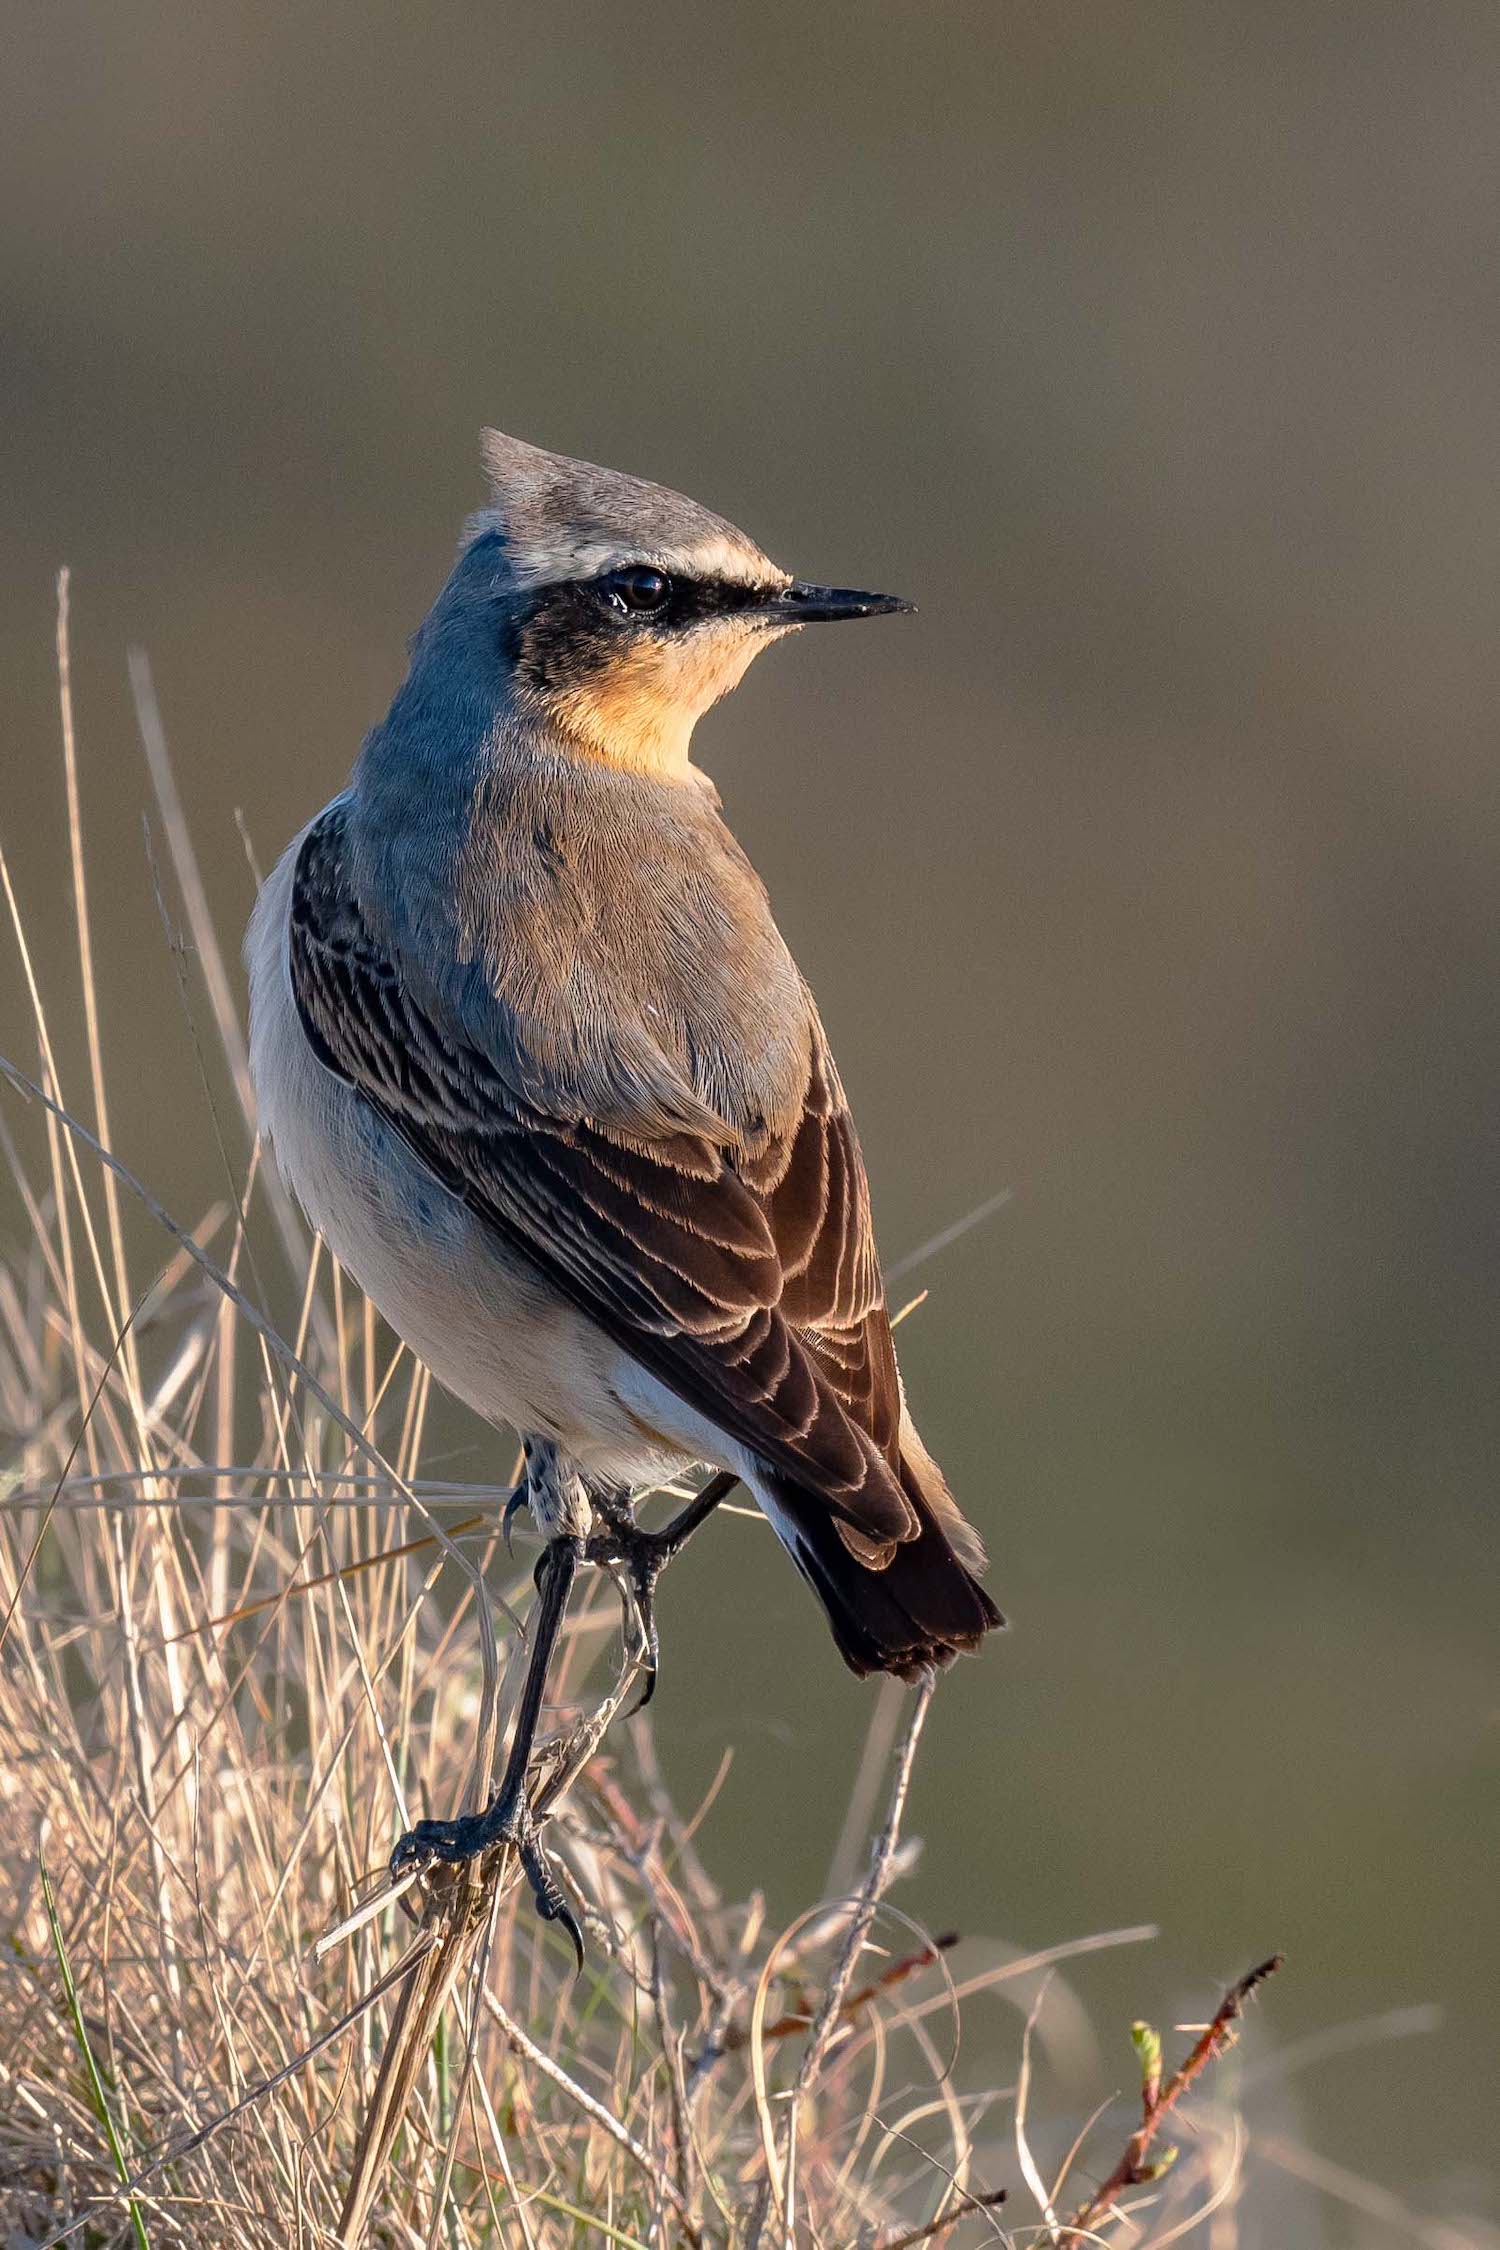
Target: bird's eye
{"points": [[639, 590]]}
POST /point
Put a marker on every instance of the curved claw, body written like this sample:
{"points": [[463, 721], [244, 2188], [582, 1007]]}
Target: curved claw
{"points": [[635, 1569], [513, 1506], [547, 1893], [407, 1853], [648, 1689], [569, 1921]]}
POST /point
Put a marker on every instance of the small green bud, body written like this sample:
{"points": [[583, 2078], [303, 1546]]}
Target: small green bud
{"points": [[1147, 2045]]}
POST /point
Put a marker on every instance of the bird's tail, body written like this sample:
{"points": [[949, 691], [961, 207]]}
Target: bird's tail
{"points": [[907, 1606]]}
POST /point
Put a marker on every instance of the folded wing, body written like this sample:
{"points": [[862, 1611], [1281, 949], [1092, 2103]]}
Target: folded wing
{"points": [[745, 1279], [751, 1290]]}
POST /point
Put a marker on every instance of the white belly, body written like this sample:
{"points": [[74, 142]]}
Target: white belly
{"points": [[490, 1328]]}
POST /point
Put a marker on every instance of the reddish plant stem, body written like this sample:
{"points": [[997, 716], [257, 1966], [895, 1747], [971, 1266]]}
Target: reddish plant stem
{"points": [[798, 2019], [950, 2218], [1135, 2168]]}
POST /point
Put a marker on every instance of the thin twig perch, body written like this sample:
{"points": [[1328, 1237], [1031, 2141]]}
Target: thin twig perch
{"points": [[867, 1900]]}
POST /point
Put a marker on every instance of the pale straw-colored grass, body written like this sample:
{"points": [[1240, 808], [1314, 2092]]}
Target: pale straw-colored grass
{"points": [[219, 2024]]}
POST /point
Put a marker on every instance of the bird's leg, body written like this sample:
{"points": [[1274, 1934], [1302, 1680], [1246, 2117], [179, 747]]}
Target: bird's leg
{"points": [[642, 1556], [508, 1818]]}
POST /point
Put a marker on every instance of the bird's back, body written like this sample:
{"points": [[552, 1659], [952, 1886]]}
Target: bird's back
{"points": [[618, 923]]}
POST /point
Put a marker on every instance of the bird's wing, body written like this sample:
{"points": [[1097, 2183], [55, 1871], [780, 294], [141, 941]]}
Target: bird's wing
{"points": [[749, 1287]]}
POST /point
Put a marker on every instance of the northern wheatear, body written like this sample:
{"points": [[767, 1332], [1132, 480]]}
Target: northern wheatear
{"points": [[531, 1052]]}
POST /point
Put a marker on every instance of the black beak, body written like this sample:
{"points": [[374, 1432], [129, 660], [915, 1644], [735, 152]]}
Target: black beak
{"points": [[802, 604]]}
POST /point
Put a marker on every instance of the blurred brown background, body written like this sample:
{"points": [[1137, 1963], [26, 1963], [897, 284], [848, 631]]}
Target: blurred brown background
{"points": [[1149, 872]]}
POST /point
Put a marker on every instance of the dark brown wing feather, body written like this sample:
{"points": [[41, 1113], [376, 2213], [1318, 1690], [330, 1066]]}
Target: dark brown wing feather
{"points": [[748, 1284]]}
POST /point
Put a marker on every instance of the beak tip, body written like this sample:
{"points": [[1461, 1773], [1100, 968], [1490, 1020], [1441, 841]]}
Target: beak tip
{"points": [[815, 604]]}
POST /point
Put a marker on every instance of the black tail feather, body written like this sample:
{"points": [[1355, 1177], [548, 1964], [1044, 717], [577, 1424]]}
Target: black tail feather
{"points": [[912, 1617]]}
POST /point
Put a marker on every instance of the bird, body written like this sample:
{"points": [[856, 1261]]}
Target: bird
{"points": [[530, 1050]]}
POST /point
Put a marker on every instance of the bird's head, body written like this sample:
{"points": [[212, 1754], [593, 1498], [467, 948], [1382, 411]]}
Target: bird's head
{"points": [[630, 608]]}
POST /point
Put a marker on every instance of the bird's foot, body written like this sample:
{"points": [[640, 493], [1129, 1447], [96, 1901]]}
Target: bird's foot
{"points": [[451, 1843], [637, 1558]]}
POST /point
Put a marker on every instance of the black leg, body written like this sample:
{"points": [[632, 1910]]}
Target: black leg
{"points": [[644, 1555], [698, 1510], [507, 1819]]}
